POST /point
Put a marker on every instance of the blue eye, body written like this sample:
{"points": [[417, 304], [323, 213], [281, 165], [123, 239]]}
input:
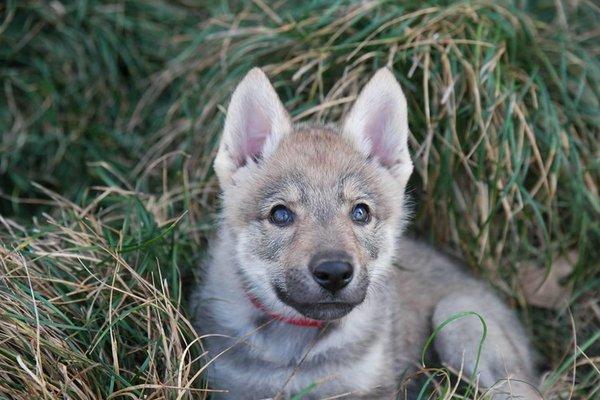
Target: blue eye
{"points": [[281, 216], [360, 214]]}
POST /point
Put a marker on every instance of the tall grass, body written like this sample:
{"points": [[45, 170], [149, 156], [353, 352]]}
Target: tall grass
{"points": [[118, 109], [91, 306]]}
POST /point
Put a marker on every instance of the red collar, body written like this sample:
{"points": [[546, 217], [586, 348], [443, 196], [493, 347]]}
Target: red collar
{"points": [[302, 322]]}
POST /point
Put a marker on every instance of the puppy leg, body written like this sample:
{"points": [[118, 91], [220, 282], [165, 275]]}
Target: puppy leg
{"points": [[505, 364]]}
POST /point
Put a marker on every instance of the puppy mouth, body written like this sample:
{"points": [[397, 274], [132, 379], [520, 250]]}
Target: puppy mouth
{"points": [[325, 311], [319, 310]]}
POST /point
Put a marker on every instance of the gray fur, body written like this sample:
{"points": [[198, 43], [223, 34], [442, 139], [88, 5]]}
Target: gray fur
{"points": [[391, 328], [401, 289]]}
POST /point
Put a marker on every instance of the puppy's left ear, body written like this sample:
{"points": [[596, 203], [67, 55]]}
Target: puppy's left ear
{"points": [[378, 125], [256, 122]]}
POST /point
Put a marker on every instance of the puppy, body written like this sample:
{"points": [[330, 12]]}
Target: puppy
{"points": [[310, 290]]}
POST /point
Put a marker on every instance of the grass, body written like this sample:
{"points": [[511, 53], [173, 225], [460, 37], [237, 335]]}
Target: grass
{"points": [[110, 114]]}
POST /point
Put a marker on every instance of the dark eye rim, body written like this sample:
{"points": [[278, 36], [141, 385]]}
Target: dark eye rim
{"points": [[368, 214], [277, 223]]}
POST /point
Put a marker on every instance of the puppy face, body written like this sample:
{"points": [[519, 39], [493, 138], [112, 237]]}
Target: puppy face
{"points": [[314, 211]]}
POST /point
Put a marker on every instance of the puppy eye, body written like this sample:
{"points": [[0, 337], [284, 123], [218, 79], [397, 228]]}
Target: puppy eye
{"points": [[360, 214], [281, 216]]}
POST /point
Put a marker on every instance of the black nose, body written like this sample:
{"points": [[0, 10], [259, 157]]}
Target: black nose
{"points": [[333, 275]]}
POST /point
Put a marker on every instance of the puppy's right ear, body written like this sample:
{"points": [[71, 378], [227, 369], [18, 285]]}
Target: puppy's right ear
{"points": [[255, 123], [378, 124]]}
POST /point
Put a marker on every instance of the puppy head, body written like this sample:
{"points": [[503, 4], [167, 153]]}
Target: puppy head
{"points": [[314, 211]]}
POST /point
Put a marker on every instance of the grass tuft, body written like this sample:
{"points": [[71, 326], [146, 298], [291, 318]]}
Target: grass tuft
{"points": [[91, 307]]}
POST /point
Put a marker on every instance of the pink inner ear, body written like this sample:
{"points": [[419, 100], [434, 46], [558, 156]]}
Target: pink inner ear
{"points": [[381, 134], [256, 129]]}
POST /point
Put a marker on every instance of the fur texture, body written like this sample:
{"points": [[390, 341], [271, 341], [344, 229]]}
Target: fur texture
{"points": [[376, 326]]}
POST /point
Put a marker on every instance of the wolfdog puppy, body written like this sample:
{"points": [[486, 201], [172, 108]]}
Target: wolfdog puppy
{"points": [[310, 290]]}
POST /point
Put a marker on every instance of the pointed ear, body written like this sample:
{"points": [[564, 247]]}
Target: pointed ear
{"points": [[255, 123], [377, 124]]}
